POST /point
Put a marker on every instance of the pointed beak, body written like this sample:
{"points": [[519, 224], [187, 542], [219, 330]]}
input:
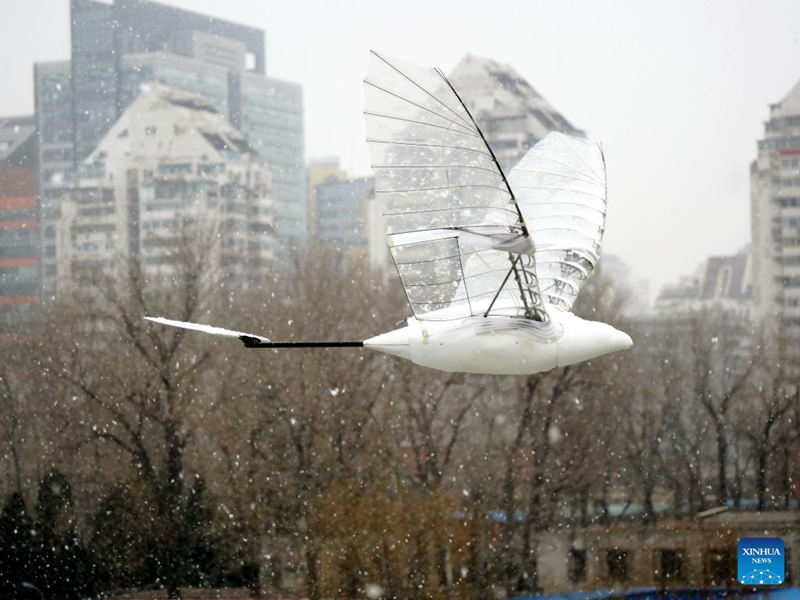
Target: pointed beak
{"points": [[620, 340]]}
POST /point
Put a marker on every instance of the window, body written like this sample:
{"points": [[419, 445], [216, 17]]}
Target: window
{"points": [[670, 564], [576, 565], [174, 168], [723, 282], [150, 130], [617, 561], [719, 567], [789, 202]]}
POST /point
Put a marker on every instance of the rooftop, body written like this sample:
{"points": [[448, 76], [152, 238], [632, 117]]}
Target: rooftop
{"points": [[17, 141]]}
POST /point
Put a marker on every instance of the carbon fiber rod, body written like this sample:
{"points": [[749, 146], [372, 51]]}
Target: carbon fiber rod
{"points": [[252, 342]]}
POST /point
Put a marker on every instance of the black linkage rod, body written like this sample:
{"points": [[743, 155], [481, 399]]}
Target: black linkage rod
{"points": [[502, 285], [254, 342]]}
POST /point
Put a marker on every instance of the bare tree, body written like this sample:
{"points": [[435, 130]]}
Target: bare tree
{"points": [[139, 380], [720, 377], [774, 392]]}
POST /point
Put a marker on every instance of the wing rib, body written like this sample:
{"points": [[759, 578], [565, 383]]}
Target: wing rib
{"points": [[491, 152], [437, 176]]}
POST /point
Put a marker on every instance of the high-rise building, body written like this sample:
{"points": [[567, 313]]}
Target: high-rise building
{"points": [[775, 215], [170, 169], [103, 33], [512, 115], [19, 256], [209, 80], [119, 46], [54, 130], [270, 113]]}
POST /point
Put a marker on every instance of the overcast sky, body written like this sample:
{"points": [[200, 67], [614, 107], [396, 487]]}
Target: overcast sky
{"points": [[676, 91]]}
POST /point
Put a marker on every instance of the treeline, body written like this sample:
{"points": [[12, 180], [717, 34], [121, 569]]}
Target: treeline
{"points": [[42, 551], [185, 460]]}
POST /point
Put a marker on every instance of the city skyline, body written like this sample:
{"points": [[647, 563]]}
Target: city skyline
{"points": [[116, 48], [683, 93]]}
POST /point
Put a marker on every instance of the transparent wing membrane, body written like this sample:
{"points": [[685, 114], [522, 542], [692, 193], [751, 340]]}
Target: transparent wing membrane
{"points": [[560, 187], [453, 227]]}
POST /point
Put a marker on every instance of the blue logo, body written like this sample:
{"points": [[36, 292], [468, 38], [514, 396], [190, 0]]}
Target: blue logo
{"points": [[761, 561]]}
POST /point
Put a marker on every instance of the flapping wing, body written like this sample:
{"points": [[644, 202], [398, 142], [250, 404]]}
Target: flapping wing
{"points": [[560, 186], [453, 227]]}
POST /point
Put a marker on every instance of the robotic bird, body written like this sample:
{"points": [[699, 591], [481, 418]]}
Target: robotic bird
{"points": [[491, 265]]}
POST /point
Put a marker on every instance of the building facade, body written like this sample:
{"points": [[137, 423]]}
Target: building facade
{"points": [[775, 215], [117, 47], [698, 553], [171, 174], [55, 133], [269, 112], [208, 80], [720, 283], [19, 256], [320, 170], [103, 33], [341, 212]]}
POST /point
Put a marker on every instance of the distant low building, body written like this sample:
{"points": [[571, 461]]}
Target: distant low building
{"points": [[348, 216], [719, 294], [341, 212], [720, 283], [169, 170], [699, 553], [319, 171]]}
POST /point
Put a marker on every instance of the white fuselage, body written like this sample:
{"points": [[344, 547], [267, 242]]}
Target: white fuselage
{"points": [[501, 345]]}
